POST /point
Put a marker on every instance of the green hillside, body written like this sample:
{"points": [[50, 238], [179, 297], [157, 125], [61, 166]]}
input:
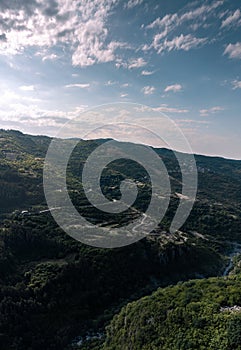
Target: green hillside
{"points": [[199, 314], [55, 291]]}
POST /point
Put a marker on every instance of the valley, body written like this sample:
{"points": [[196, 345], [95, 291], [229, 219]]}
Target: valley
{"points": [[57, 293]]}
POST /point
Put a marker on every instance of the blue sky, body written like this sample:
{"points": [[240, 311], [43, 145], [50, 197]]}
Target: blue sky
{"points": [[183, 58]]}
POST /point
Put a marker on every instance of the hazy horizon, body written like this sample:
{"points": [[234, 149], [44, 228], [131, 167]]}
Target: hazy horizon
{"points": [[163, 147]]}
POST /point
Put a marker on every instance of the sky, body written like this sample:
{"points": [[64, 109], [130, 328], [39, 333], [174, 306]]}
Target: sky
{"points": [[183, 58]]}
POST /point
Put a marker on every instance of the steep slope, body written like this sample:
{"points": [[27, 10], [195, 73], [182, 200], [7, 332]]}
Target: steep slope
{"points": [[201, 314]]}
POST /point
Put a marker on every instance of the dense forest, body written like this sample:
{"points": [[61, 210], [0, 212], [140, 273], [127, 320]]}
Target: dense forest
{"points": [[198, 314], [57, 293]]}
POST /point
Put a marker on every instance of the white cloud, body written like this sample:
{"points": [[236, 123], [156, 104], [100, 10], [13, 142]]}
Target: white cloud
{"points": [[212, 110], [236, 84], [145, 47], [51, 57], [170, 23], [125, 85], [182, 42], [137, 63], [233, 19], [174, 88], [146, 72], [166, 109], [133, 3], [123, 95], [110, 83], [26, 87], [148, 90], [192, 121], [20, 111], [81, 86], [79, 24], [10, 97], [131, 63], [233, 50], [166, 21]]}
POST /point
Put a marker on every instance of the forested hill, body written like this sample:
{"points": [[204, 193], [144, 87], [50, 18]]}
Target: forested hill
{"points": [[21, 162], [22, 159], [55, 290], [201, 314]]}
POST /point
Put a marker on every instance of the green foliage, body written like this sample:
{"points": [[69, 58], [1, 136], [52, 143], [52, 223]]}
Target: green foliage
{"points": [[53, 289], [185, 316]]}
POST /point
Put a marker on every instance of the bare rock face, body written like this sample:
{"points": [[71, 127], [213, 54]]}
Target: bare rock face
{"points": [[234, 308]]}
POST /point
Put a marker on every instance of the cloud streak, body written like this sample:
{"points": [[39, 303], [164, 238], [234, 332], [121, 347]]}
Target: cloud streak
{"points": [[232, 19], [137, 63], [132, 63], [170, 22], [81, 86], [133, 3], [212, 110], [233, 50], [51, 57], [181, 42], [148, 90], [147, 72], [173, 88], [27, 87], [166, 109], [236, 84], [167, 26]]}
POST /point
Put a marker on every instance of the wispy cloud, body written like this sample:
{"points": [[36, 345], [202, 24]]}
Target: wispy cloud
{"points": [[132, 63], [133, 3], [81, 86], [18, 110], [148, 90], [170, 23], [173, 88], [233, 19], [117, 83], [137, 63], [51, 57], [166, 109], [193, 121], [26, 87], [147, 72], [236, 84], [233, 50], [125, 85], [110, 83], [182, 42], [212, 110]]}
